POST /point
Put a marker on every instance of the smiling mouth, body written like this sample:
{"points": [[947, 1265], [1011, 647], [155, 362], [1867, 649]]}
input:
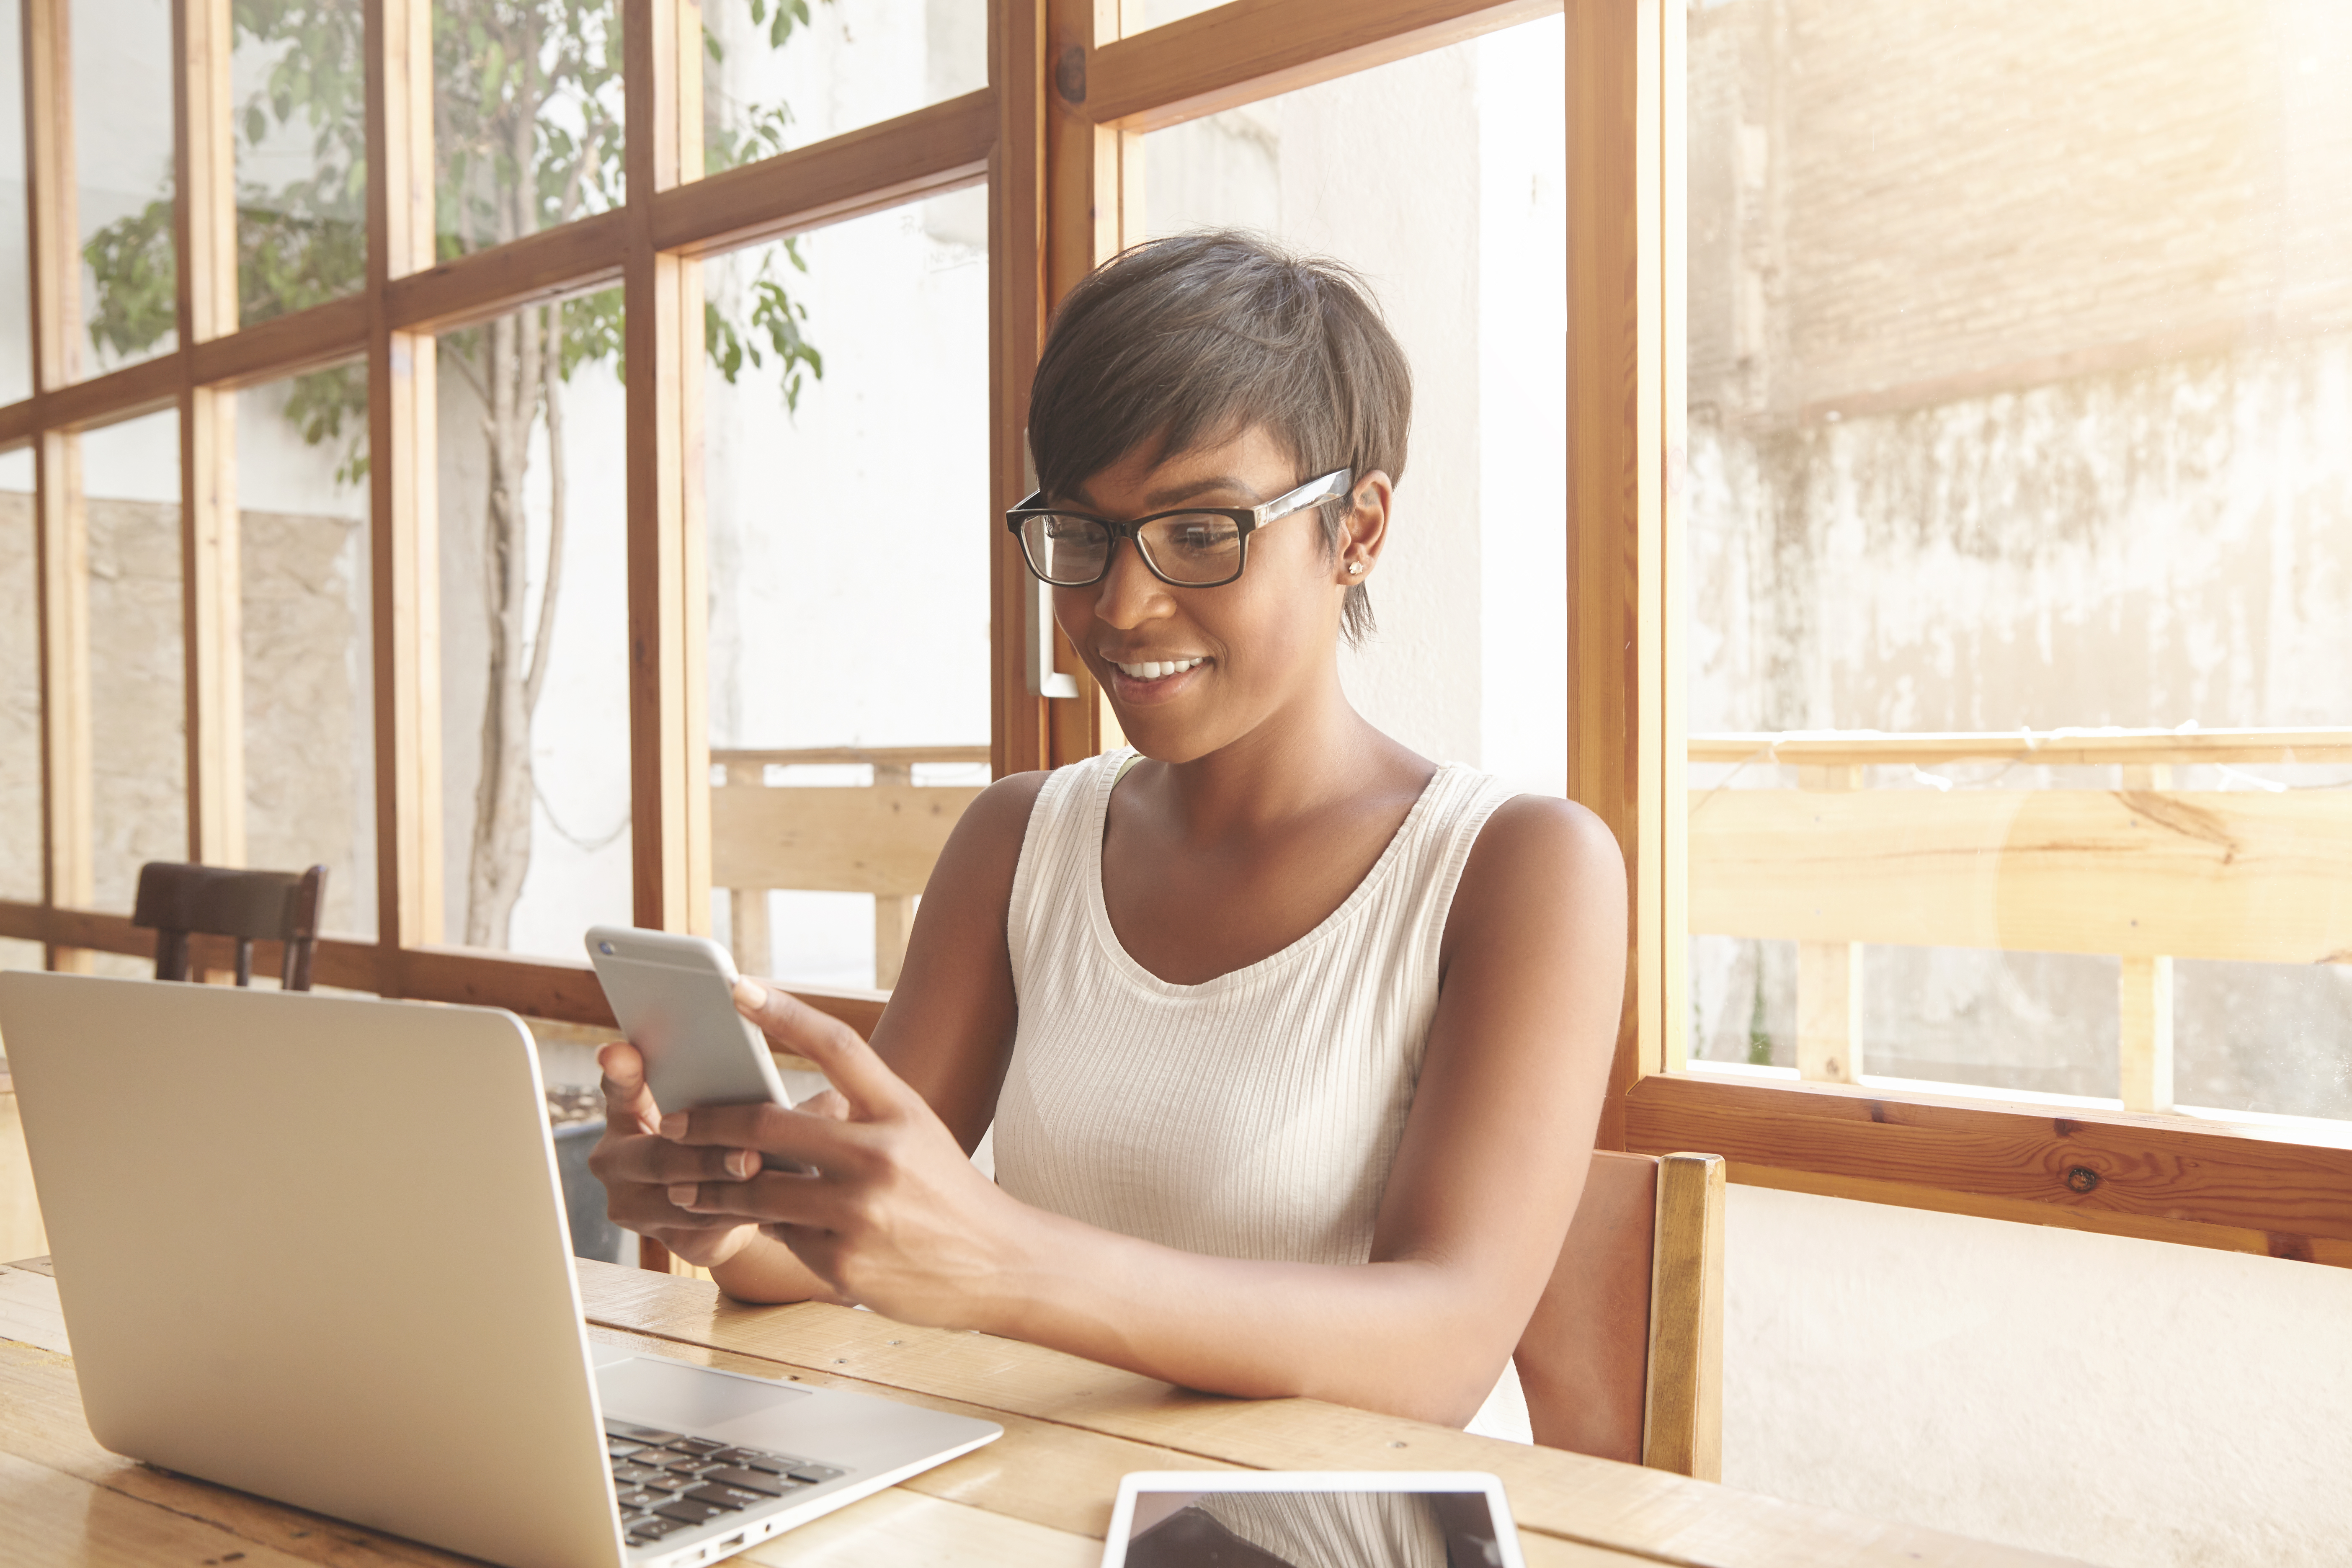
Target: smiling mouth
{"points": [[1157, 669]]}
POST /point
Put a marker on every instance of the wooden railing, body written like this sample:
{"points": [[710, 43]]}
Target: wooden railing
{"points": [[2140, 870], [880, 838]]}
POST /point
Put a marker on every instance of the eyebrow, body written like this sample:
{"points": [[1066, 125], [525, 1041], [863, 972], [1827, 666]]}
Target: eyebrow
{"points": [[1175, 495]]}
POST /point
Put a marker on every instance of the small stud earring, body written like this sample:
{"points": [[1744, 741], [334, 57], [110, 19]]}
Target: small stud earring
{"points": [[1355, 568]]}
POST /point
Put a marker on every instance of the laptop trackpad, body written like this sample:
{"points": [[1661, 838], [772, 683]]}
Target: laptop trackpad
{"points": [[677, 1397]]}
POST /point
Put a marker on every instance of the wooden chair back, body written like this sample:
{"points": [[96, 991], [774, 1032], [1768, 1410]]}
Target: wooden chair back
{"points": [[1623, 1358], [177, 902], [881, 838]]}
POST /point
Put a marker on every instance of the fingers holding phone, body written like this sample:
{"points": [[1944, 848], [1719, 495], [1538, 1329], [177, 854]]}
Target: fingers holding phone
{"points": [[641, 1170]]}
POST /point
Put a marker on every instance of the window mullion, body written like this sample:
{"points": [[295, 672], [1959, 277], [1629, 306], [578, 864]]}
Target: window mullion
{"points": [[1084, 222], [404, 559], [205, 242], [61, 541], [1016, 316], [1618, 715], [664, 651]]}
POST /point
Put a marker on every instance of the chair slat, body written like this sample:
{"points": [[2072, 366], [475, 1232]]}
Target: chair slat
{"points": [[1682, 1429]]}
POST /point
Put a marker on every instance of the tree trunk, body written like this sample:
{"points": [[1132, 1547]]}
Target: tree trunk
{"points": [[515, 349], [502, 799]]}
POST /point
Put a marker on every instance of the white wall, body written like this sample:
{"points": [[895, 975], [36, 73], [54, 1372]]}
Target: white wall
{"points": [[1523, 407], [1439, 178], [2128, 1401]]}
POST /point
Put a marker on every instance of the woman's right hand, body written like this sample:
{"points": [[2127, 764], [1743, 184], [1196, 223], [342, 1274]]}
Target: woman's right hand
{"points": [[639, 1168]]}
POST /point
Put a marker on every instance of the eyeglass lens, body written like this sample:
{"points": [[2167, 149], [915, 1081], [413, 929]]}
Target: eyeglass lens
{"points": [[1188, 547]]}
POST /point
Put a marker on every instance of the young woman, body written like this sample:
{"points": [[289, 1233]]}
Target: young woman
{"points": [[1293, 1040]]}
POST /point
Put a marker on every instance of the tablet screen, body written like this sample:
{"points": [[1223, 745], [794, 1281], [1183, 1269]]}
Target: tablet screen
{"points": [[1194, 1528]]}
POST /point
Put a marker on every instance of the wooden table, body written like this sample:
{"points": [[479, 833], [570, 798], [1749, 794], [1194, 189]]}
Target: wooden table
{"points": [[1039, 1498]]}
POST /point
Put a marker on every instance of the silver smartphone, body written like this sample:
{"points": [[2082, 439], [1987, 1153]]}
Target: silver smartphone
{"points": [[674, 996]]}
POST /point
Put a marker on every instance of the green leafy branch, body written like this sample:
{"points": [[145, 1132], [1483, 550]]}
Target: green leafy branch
{"points": [[501, 68]]}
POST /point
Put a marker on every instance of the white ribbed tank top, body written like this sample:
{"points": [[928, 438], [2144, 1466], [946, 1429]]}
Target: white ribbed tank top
{"points": [[1256, 1115]]}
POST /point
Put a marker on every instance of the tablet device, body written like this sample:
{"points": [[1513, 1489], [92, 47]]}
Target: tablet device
{"points": [[1311, 1519]]}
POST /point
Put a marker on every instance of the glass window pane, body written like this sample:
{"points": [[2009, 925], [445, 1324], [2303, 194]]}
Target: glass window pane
{"points": [[539, 76], [779, 74], [1453, 212], [2283, 1051], [131, 477], [123, 178], [299, 87], [534, 629], [310, 743], [2017, 380], [1146, 13], [15, 310], [849, 645], [20, 684]]}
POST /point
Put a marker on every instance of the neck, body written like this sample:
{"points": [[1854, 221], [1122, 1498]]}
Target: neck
{"points": [[1308, 755]]}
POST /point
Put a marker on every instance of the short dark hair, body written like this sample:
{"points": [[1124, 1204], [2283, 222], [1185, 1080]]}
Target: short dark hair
{"points": [[1202, 335]]}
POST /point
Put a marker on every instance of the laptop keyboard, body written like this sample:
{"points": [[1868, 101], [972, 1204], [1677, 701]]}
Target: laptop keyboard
{"points": [[669, 1482]]}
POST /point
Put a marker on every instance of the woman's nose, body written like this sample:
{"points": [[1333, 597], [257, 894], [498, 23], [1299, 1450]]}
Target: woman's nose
{"points": [[1128, 594]]}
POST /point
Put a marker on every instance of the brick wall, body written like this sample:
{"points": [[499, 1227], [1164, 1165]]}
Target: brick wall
{"points": [[307, 780], [1895, 203]]}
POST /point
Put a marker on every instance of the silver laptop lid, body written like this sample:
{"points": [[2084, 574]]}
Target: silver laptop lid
{"points": [[312, 1248]]}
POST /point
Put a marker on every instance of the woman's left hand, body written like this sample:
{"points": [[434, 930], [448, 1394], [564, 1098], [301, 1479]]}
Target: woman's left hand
{"points": [[889, 1210]]}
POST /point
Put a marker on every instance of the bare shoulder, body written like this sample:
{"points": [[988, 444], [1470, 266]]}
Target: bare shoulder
{"points": [[1539, 862], [1543, 838], [985, 847], [1006, 805]]}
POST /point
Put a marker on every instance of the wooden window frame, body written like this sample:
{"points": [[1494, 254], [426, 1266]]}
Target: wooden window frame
{"points": [[1056, 135], [646, 245]]}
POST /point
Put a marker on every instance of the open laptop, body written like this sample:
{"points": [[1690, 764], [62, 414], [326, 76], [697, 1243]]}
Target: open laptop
{"points": [[313, 1247]]}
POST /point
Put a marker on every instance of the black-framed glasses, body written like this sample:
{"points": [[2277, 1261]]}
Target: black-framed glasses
{"points": [[1197, 547]]}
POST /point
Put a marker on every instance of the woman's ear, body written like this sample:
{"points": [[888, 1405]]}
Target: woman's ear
{"points": [[1365, 529]]}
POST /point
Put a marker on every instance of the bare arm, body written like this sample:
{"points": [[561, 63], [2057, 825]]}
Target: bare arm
{"points": [[1485, 1182]]}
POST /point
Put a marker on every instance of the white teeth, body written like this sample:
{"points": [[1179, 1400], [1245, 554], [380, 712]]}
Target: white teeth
{"points": [[1156, 669]]}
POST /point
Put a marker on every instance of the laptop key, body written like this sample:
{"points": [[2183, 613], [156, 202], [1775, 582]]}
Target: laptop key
{"points": [[727, 1498], [759, 1459], [812, 1474], [645, 1499], [693, 1510], [621, 1448], [695, 1444], [653, 1528], [636, 1434], [752, 1480], [636, 1475]]}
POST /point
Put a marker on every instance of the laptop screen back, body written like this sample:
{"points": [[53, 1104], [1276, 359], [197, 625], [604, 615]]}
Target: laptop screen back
{"points": [[312, 1248]]}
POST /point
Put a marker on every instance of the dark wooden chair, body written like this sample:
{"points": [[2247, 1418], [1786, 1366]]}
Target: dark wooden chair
{"points": [[1623, 1358], [177, 902]]}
